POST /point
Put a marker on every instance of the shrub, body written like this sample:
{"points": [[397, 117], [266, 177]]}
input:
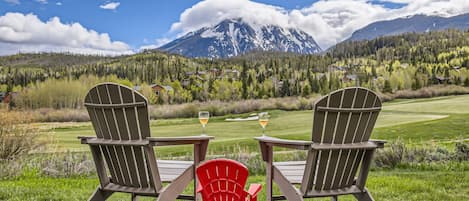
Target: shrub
{"points": [[462, 151], [220, 108], [62, 115], [52, 165], [392, 156], [427, 92], [67, 165], [17, 138]]}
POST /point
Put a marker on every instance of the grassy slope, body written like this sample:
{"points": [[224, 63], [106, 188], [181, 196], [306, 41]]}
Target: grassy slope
{"points": [[421, 121]]}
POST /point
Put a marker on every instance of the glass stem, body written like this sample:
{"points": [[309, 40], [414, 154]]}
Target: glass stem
{"points": [[203, 128]]}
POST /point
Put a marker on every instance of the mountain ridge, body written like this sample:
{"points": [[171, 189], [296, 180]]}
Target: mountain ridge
{"points": [[233, 37], [416, 23]]}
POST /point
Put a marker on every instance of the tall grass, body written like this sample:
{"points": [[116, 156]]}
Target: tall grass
{"points": [[220, 108], [60, 93], [17, 138], [427, 92]]}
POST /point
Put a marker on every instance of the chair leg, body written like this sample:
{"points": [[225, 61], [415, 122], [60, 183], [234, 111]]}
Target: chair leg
{"points": [[334, 198], [269, 174], [290, 192], [134, 197], [100, 195], [365, 196]]}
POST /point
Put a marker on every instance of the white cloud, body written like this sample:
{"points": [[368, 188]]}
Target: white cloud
{"points": [[110, 5], [58, 3], [13, 1], [42, 1], [328, 21], [148, 47], [27, 33], [158, 43]]}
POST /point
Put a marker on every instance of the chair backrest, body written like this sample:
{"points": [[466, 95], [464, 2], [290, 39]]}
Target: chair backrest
{"points": [[343, 117], [222, 179], [120, 113]]}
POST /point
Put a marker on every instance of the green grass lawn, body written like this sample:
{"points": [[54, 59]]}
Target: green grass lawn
{"points": [[392, 185], [441, 121], [397, 120]]}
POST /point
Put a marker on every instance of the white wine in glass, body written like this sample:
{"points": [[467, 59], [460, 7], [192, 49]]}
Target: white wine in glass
{"points": [[203, 119], [263, 121]]}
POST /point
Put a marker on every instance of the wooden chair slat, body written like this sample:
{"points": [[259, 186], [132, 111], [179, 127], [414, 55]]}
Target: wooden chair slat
{"points": [[357, 162], [141, 167], [115, 95], [115, 130], [321, 169], [342, 132], [113, 170], [348, 110], [331, 169], [115, 105]]}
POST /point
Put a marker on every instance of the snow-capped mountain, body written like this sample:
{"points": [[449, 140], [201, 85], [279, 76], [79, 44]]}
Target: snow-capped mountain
{"points": [[415, 23], [234, 37]]}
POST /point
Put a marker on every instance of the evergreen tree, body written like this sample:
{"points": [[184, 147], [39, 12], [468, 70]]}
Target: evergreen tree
{"points": [[387, 87], [244, 81]]}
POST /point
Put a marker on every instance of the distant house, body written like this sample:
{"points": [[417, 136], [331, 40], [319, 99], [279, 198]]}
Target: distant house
{"points": [[442, 80], [231, 73], [190, 73], [337, 68], [185, 82], [349, 78], [2, 96], [215, 72], [198, 73], [160, 88], [157, 89], [9, 96]]}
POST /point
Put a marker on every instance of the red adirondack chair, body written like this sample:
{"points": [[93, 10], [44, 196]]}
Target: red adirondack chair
{"points": [[224, 179]]}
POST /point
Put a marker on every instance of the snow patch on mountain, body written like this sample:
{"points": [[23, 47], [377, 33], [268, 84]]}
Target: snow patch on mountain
{"points": [[234, 37]]}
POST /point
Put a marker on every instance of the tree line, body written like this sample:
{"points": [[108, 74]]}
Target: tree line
{"points": [[385, 64]]}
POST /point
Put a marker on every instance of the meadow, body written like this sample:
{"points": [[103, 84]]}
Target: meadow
{"points": [[429, 122]]}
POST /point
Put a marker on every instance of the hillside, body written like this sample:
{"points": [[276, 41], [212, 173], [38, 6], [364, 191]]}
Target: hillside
{"points": [[51, 60], [386, 64]]}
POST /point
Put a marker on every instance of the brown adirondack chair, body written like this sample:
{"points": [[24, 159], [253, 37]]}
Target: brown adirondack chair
{"points": [[123, 149], [340, 147]]}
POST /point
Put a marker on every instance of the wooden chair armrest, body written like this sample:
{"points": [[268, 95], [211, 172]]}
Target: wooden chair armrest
{"points": [[99, 141], [84, 139], [293, 144], [254, 189], [350, 146], [165, 141], [379, 143], [267, 143]]}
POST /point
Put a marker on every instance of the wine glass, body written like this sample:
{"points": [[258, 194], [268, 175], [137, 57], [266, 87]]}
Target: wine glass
{"points": [[263, 121], [203, 119]]}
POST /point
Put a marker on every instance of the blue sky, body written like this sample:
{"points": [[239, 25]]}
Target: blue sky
{"points": [[133, 24]]}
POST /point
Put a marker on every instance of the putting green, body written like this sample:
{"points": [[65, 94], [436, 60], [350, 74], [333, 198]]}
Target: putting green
{"points": [[442, 105]]}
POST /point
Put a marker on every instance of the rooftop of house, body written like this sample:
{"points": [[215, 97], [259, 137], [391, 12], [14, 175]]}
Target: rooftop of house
{"points": [[165, 87]]}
